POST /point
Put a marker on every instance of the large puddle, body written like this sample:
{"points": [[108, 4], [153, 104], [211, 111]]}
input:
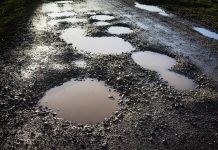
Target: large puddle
{"points": [[119, 30], [56, 7], [161, 64], [207, 33], [102, 17], [151, 9], [87, 101], [96, 45]]}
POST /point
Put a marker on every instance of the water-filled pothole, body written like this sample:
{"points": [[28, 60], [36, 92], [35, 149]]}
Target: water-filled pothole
{"points": [[55, 7], [96, 45], [207, 33], [151, 8], [101, 23], [119, 30], [102, 17], [87, 101], [161, 64]]}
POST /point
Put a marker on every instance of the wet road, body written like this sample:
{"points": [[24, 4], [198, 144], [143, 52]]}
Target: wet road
{"points": [[70, 42], [169, 32]]}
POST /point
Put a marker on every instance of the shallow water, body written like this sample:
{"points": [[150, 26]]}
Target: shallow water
{"points": [[96, 45], [101, 23], [102, 17], [119, 30], [207, 33], [161, 64], [151, 8], [81, 101], [55, 7]]}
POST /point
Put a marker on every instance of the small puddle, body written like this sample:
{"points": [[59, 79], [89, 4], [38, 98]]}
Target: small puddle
{"points": [[55, 7], [80, 63], [101, 23], [87, 101], [61, 14], [102, 17], [151, 9], [96, 45], [119, 30], [207, 33], [161, 64]]}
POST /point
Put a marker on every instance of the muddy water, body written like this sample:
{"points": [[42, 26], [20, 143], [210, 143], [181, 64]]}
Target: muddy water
{"points": [[55, 7], [161, 64], [102, 17], [151, 9], [206, 33], [119, 30], [81, 101], [96, 45]]}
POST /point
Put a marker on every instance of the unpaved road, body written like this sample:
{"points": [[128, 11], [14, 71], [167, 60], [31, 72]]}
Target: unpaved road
{"points": [[152, 116]]}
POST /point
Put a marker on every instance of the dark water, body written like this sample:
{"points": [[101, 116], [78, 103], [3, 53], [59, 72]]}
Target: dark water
{"points": [[96, 45], [87, 101], [161, 64]]}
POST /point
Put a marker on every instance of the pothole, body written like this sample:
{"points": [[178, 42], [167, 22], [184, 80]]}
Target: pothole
{"points": [[55, 7], [151, 8], [161, 64], [87, 101], [119, 30], [80, 63], [95, 45], [101, 23], [102, 17], [206, 33]]}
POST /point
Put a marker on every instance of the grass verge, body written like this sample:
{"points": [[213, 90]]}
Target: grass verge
{"points": [[204, 12]]}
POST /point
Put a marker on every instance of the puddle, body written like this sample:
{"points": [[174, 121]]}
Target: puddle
{"points": [[101, 23], [54, 7], [96, 45], [102, 17], [206, 33], [81, 101], [65, 2], [161, 64], [61, 14], [119, 30], [70, 20], [151, 9], [80, 63]]}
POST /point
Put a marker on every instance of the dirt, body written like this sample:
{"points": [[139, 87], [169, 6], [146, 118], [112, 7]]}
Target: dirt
{"points": [[151, 115]]}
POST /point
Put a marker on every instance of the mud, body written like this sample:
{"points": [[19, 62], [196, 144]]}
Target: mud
{"points": [[152, 115]]}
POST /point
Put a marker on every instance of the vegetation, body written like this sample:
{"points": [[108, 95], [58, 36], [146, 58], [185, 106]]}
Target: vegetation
{"points": [[200, 11], [13, 12]]}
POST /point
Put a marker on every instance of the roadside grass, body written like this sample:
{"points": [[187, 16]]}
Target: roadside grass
{"points": [[204, 12], [13, 12]]}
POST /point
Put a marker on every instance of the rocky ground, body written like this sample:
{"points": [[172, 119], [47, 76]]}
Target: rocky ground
{"points": [[152, 114]]}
